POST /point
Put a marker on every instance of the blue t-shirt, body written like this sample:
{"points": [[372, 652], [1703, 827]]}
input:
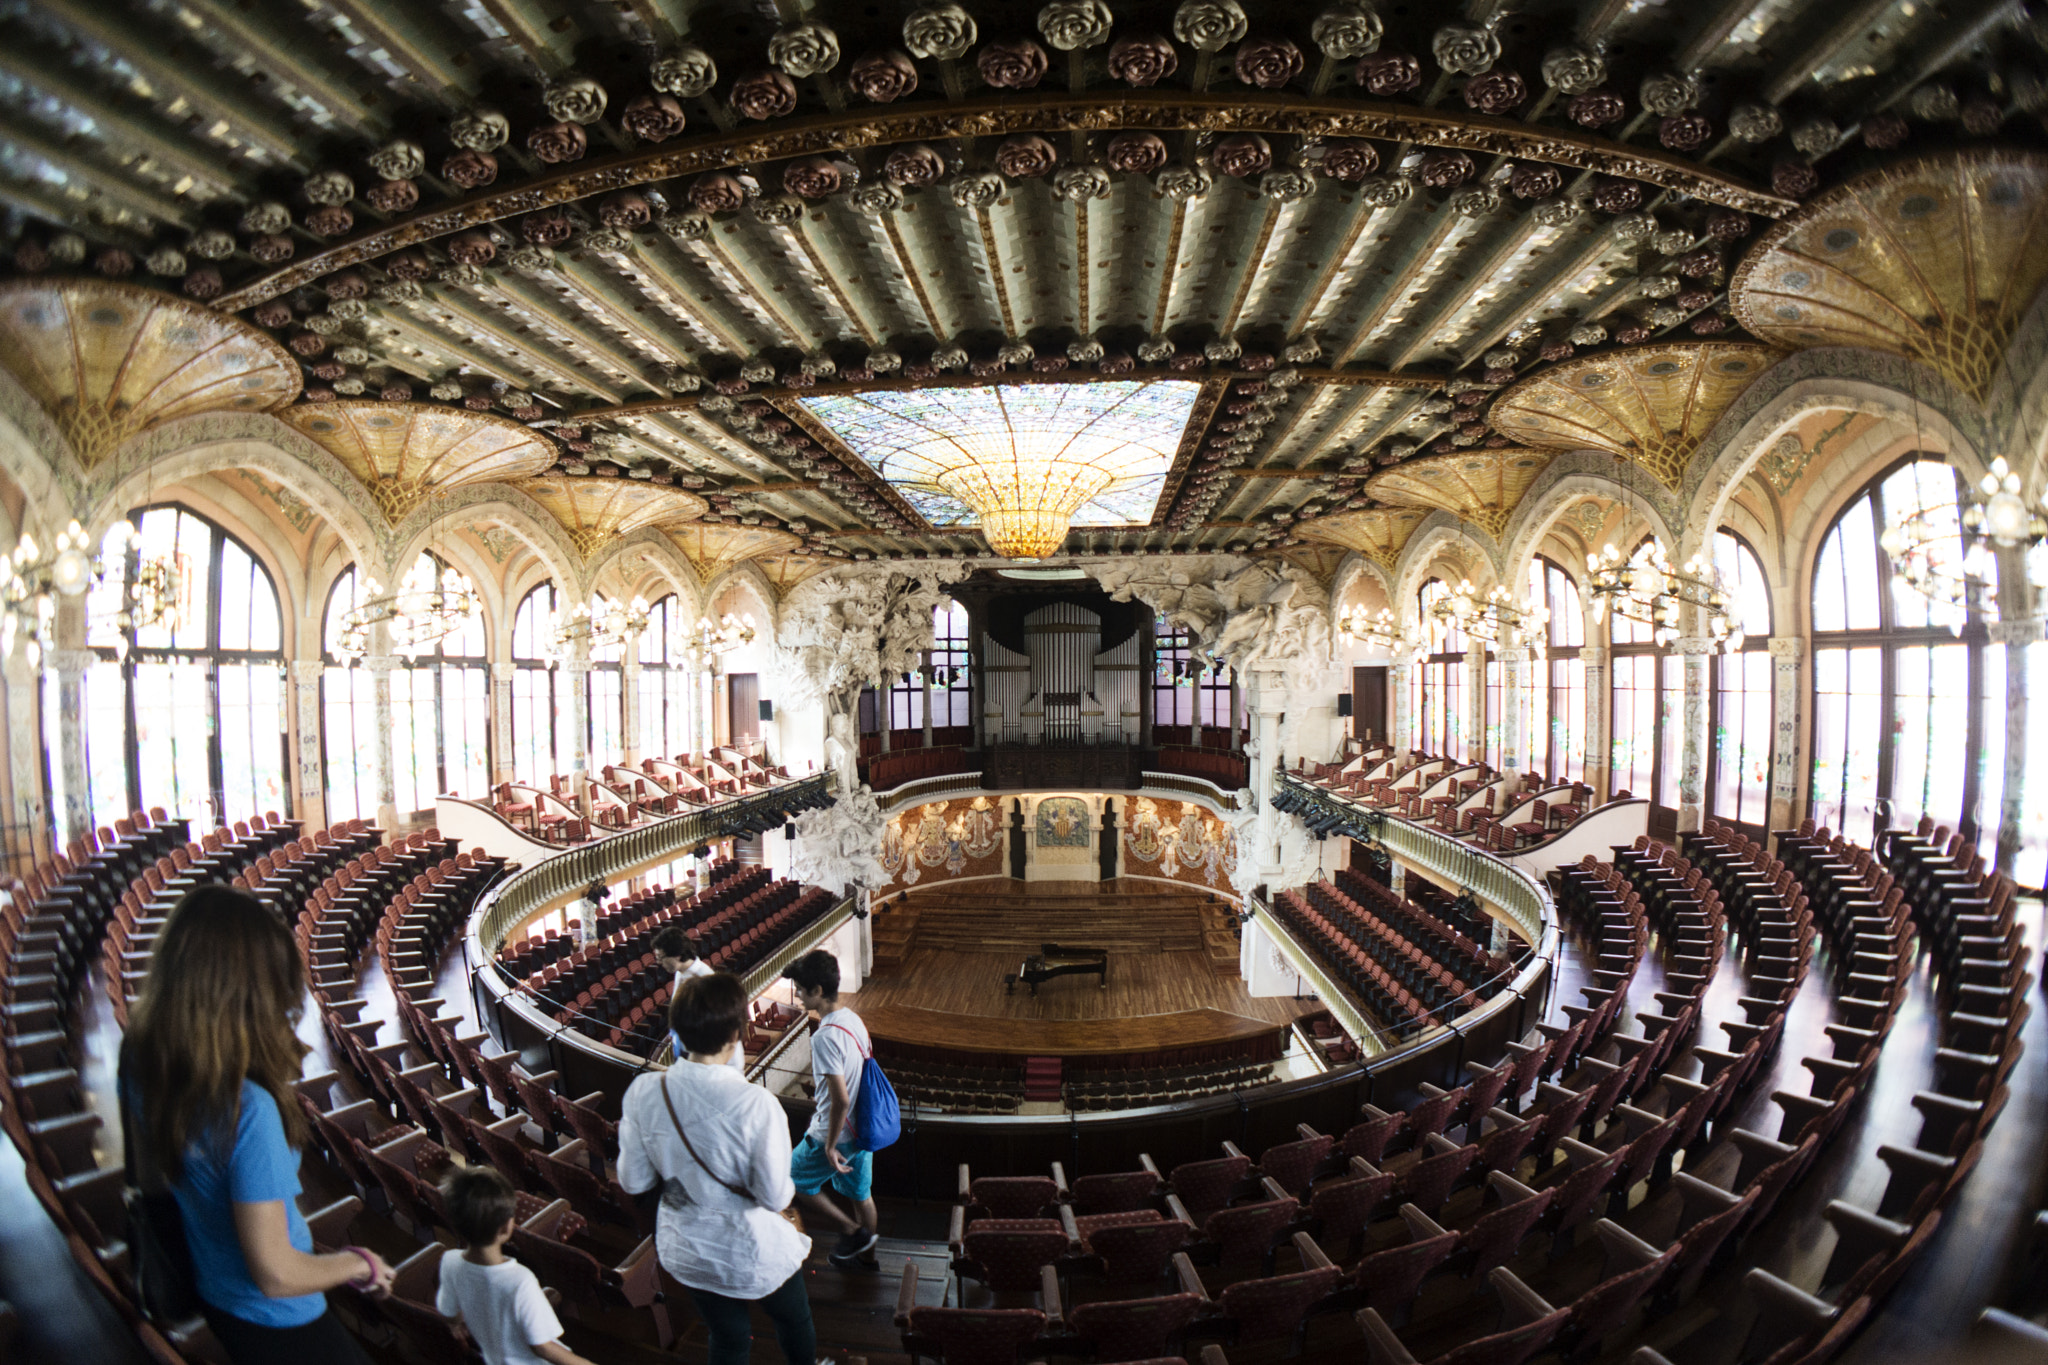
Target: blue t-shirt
{"points": [[260, 1169]]}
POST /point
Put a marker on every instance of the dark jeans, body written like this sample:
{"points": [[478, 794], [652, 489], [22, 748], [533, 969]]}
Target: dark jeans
{"points": [[323, 1341], [732, 1332]]}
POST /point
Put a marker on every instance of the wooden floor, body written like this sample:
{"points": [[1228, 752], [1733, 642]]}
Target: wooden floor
{"points": [[1139, 984], [1060, 1037]]}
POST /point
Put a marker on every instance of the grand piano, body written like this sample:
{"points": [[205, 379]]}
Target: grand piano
{"points": [[1052, 960]]}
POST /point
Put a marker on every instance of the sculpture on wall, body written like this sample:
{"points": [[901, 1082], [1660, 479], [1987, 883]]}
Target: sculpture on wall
{"points": [[838, 847], [1256, 616]]}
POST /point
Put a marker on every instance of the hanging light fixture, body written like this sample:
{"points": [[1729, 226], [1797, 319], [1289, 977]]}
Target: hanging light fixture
{"points": [[32, 585], [1924, 542], [1496, 618], [1648, 591], [730, 633], [426, 609], [1356, 623]]}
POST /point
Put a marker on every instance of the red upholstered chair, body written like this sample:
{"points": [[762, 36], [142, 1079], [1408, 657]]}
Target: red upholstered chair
{"points": [[1292, 1165], [1265, 1309], [1496, 1234], [1535, 827], [1127, 1248], [1133, 1329], [1428, 1183], [1527, 1325], [1114, 1192], [1631, 1269], [1206, 1186], [1341, 1210], [1386, 1281], [1368, 1139], [1008, 1253], [1007, 1196], [582, 1280], [969, 1336]]}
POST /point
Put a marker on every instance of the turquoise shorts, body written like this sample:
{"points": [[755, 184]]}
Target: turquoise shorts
{"points": [[811, 1172]]}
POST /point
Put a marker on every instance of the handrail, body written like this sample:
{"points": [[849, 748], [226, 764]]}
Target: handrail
{"points": [[556, 881], [1516, 894], [923, 789]]}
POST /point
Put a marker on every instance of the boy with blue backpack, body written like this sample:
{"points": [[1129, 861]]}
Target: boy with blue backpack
{"points": [[853, 1102]]}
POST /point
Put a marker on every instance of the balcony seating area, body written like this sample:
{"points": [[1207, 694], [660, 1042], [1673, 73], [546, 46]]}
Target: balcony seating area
{"points": [[1473, 802], [622, 796]]}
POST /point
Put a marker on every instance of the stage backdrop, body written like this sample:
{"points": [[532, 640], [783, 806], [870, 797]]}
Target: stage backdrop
{"points": [[1177, 840], [943, 841]]}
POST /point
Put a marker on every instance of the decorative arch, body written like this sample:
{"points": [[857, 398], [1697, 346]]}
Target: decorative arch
{"points": [[1570, 479], [211, 443], [661, 559], [1354, 567], [1870, 382], [29, 446], [518, 513], [1440, 531], [748, 578]]}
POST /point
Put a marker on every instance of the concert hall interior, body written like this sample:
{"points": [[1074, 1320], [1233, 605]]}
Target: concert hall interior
{"points": [[1398, 651]]}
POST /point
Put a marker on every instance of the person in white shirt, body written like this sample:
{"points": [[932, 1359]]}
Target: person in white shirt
{"points": [[677, 953], [828, 1155], [718, 1150], [497, 1299]]}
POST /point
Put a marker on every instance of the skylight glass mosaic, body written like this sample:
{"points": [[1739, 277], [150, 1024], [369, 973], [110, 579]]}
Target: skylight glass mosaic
{"points": [[1096, 454]]}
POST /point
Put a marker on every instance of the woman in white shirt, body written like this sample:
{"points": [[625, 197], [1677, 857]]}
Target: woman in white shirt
{"points": [[718, 1149]]}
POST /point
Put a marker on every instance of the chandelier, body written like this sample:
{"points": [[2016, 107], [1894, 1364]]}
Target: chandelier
{"points": [[1650, 592], [1495, 618], [426, 609], [729, 633], [604, 623], [1924, 542], [1356, 623], [32, 584]]}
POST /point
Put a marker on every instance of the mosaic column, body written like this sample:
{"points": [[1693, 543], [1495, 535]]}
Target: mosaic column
{"points": [[74, 815], [1786, 727], [28, 840], [1475, 704], [1597, 753], [1266, 723], [382, 754], [629, 687], [1692, 763], [1514, 720], [311, 788], [2018, 796], [501, 721], [575, 677], [1398, 674]]}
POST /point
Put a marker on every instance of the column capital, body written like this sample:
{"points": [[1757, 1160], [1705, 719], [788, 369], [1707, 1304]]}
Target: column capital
{"points": [[1788, 646], [1695, 645], [503, 671], [308, 670], [379, 663], [1593, 656], [2025, 632], [72, 661], [1512, 654], [575, 665]]}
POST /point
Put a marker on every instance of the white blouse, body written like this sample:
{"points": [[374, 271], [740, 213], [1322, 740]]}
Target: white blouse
{"points": [[707, 1236]]}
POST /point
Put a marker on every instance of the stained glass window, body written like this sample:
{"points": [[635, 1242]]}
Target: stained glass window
{"points": [[665, 679], [1100, 449], [1739, 779], [1908, 714]]}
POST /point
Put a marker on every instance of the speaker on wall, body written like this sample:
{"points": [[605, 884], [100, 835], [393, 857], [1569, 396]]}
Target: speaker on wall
{"points": [[1343, 703], [767, 710]]}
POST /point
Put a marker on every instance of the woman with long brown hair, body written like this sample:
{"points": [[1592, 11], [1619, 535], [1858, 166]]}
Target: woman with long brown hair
{"points": [[207, 1073]]}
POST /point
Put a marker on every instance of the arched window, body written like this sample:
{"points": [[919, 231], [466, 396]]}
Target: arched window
{"points": [[347, 712], [1647, 713], [604, 705], [539, 743], [1905, 710], [189, 717], [1557, 679], [951, 674], [665, 680], [1739, 760], [1440, 712]]}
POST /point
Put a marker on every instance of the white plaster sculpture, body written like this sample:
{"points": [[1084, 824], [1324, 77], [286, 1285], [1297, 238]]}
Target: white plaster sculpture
{"points": [[839, 846]]}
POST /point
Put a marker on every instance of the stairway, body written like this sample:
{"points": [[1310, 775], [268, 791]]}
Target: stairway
{"points": [[1042, 1079], [895, 928]]}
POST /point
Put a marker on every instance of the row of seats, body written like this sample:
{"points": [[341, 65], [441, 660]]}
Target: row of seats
{"points": [[623, 796]]}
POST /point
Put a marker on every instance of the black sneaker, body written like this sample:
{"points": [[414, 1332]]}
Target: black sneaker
{"points": [[852, 1247]]}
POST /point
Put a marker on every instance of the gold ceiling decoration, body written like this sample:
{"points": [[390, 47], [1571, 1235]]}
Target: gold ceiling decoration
{"points": [[1936, 259], [1376, 533], [1319, 561], [1480, 486], [108, 361], [403, 452], [594, 508], [1650, 404], [786, 571], [714, 547]]}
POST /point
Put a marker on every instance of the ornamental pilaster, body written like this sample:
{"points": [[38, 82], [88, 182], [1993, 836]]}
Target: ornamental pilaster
{"points": [[1695, 651], [1787, 724], [1599, 704], [74, 812]]}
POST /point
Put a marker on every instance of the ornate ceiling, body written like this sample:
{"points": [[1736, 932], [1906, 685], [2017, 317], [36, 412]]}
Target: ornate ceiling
{"points": [[639, 243]]}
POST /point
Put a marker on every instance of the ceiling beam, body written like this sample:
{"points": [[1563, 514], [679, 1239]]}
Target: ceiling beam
{"points": [[1056, 111]]}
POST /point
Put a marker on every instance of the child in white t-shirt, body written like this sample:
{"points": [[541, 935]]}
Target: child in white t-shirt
{"points": [[497, 1299]]}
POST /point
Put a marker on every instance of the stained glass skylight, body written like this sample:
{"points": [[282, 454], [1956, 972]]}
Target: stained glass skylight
{"points": [[1024, 461]]}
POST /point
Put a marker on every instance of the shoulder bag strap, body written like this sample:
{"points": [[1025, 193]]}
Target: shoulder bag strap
{"points": [[851, 1034], [677, 1121]]}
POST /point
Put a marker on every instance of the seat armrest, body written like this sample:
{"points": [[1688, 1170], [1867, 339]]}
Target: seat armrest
{"points": [[906, 1292], [1382, 1347], [1519, 1303], [1184, 1272]]}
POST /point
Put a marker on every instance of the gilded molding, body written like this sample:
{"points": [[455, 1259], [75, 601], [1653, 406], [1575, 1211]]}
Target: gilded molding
{"points": [[1039, 112], [1199, 417]]}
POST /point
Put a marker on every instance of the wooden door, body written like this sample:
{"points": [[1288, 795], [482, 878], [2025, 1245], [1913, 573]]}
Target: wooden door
{"points": [[1369, 719]]}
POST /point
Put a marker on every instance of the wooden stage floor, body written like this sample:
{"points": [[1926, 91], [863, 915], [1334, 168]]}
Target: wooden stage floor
{"points": [[946, 998]]}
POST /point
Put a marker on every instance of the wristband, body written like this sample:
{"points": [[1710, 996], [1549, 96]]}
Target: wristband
{"points": [[369, 1275]]}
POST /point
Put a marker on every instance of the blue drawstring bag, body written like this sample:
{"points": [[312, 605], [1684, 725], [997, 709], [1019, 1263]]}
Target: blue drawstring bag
{"points": [[877, 1117]]}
